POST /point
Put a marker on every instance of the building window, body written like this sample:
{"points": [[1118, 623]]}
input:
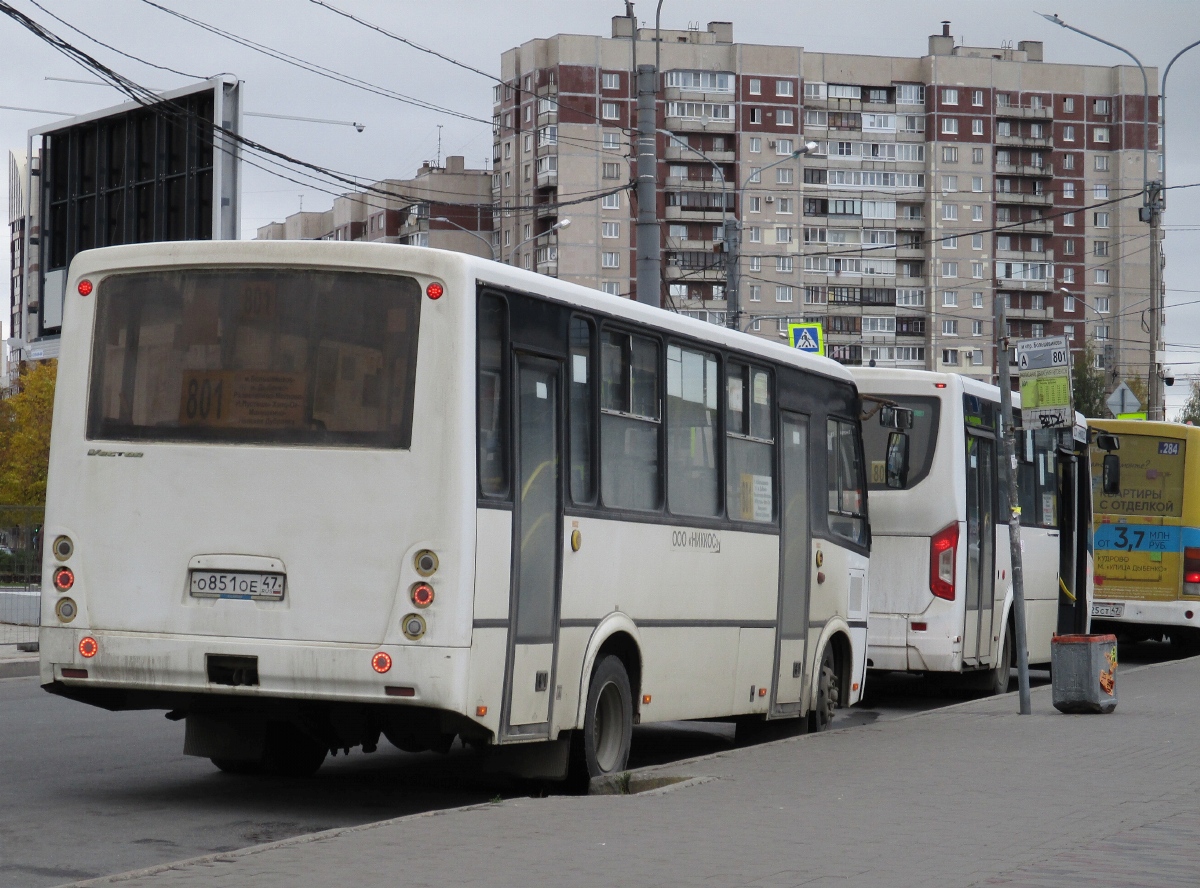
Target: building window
{"points": [[1068, 275], [612, 142], [755, 204], [1068, 220], [755, 145], [1068, 105], [1101, 275], [950, 243], [1068, 134], [949, 328], [977, 242], [610, 81], [977, 299], [977, 270], [676, 232], [610, 229], [756, 263], [976, 328], [611, 201], [910, 94], [783, 264], [976, 155], [977, 127], [755, 294], [814, 90], [610, 111], [950, 126], [1068, 304], [976, 213], [785, 88], [949, 269], [1003, 128], [783, 293], [950, 356], [783, 235], [1100, 106], [612, 171], [1100, 248], [949, 183], [610, 260], [1100, 134], [1100, 192], [950, 212], [1003, 242], [1069, 331], [527, 169], [1100, 220], [1101, 304], [1101, 163], [977, 183], [950, 298], [756, 115], [755, 86], [754, 234], [1068, 190], [785, 117], [1038, 330], [949, 154], [949, 97], [1068, 161], [613, 288], [785, 205], [783, 147], [783, 176], [1068, 248], [1037, 301], [977, 98]]}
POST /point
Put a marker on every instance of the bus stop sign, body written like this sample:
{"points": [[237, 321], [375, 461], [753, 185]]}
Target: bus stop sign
{"points": [[807, 337], [1044, 368]]}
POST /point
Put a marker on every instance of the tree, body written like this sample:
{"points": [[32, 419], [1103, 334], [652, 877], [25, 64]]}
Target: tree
{"points": [[1191, 410], [1089, 383], [25, 436]]}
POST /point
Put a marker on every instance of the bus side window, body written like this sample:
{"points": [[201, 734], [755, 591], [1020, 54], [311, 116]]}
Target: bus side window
{"points": [[630, 421], [845, 477], [750, 450], [492, 416], [582, 418], [692, 478]]}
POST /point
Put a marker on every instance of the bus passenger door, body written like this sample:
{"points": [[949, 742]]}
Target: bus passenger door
{"points": [[795, 546], [533, 616], [981, 550]]}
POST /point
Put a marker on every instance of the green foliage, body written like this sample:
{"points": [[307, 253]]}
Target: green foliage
{"points": [[1191, 410], [25, 436], [1089, 383]]}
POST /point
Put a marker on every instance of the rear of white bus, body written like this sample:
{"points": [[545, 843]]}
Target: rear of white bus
{"points": [[918, 532], [257, 515]]}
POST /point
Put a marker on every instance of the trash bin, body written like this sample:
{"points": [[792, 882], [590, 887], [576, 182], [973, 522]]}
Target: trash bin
{"points": [[1084, 672]]}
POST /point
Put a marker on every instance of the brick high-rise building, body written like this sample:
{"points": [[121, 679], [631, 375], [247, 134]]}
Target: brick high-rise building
{"points": [[937, 183]]}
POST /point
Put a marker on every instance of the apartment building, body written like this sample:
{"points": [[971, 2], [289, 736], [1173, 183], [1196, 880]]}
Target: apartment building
{"points": [[937, 183], [446, 206]]}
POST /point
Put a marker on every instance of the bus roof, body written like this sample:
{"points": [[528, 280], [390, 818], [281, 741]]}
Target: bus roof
{"points": [[1142, 427], [435, 263]]}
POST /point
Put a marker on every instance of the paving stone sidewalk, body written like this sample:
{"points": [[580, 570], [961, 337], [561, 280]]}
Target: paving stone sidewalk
{"points": [[969, 795]]}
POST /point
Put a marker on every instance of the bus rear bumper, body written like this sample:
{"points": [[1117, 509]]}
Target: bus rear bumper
{"points": [[1164, 614], [914, 643], [166, 666]]}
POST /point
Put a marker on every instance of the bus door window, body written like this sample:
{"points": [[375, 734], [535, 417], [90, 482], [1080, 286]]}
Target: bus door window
{"points": [[629, 421], [692, 477], [750, 444], [581, 393], [492, 326], [1037, 477], [847, 504]]}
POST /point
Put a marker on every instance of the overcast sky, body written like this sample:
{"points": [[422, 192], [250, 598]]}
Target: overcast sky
{"points": [[398, 137]]}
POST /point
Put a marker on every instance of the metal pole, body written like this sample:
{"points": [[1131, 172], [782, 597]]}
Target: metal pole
{"points": [[1155, 387], [1008, 475], [649, 257]]}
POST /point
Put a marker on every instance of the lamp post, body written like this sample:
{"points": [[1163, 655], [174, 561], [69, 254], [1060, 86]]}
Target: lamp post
{"points": [[474, 234], [1150, 212], [563, 223]]}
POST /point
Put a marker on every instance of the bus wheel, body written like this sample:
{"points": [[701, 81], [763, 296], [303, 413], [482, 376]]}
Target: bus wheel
{"points": [[1000, 677], [290, 752], [829, 685], [608, 720]]}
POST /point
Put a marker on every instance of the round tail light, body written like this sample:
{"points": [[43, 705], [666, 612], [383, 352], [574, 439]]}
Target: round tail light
{"points": [[413, 626], [381, 662], [426, 563], [64, 579], [63, 548], [435, 290], [66, 610], [88, 647], [422, 594], [85, 287]]}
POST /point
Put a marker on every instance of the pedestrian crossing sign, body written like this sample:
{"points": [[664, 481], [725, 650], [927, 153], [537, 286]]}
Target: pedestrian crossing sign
{"points": [[807, 337]]}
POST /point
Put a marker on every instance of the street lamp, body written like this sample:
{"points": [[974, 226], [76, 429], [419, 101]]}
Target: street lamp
{"points": [[563, 223], [474, 234]]}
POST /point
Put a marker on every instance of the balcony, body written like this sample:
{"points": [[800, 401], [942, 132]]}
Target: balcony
{"points": [[545, 118], [1024, 256], [1023, 112], [1025, 141], [547, 259], [545, 210], [1029, 200], [548, 179], [1032, 226], [710, 274], [1014, 285], [909, 224], [678, 152], [695, 214], [678, 94], [1030, 314], [1024, 169], [681, 182], [697, 125]]}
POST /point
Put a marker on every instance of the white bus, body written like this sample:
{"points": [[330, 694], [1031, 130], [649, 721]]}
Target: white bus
{"points": [[304, 494], [943, 605]]}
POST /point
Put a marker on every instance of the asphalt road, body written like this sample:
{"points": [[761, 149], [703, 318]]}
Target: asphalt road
{"points": [[84, 792]]}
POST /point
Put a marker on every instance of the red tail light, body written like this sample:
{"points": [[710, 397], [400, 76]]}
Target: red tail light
{"points": [[1191, 570], [943, 547]]}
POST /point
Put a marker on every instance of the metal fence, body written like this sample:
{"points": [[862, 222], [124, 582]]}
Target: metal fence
{"points": [[20, 573]]}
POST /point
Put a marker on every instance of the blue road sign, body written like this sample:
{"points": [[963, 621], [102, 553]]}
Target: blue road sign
{"points": [[807, 337]]}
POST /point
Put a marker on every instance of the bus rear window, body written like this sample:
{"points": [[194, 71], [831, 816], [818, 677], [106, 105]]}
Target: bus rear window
{"points": [[266, 356], [922, 439], [1151, 478]]}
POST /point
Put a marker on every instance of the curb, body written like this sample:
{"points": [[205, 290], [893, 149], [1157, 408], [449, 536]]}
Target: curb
{"points": [[22, 668]]}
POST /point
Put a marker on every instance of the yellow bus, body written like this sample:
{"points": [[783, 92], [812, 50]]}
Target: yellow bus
{"points": [[1146, 508]]}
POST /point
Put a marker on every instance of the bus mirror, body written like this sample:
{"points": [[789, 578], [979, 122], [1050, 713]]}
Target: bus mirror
{"points": [[897, 460], [900, 418], [1112, 474], [1108, 443]]}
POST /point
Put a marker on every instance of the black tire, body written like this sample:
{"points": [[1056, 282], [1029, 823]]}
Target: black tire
{"points": [[236, 766], [290, 752], [829, 692], [608, 720], [1001, 676]]}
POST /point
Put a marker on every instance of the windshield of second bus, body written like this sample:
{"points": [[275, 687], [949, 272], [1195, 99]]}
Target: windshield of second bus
{"points": [[922, 440]]}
